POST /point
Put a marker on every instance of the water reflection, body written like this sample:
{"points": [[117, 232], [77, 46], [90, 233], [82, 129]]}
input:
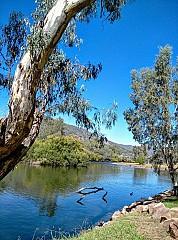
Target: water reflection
{"points": [[139, 174], [42, 197], [44, 184]]}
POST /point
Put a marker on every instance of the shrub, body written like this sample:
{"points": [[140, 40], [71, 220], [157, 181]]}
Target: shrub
{"points": [[141, 160]]}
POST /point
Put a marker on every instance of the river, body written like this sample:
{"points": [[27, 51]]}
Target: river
{"points": [[43, 200]]}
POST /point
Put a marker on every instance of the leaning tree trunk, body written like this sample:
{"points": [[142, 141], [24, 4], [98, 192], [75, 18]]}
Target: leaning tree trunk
{"points": [[19, 123], [16, 156]]}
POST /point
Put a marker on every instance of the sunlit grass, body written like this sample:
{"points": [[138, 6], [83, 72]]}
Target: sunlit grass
{"points": [[134, 226], [171, 202], [121, 229]]}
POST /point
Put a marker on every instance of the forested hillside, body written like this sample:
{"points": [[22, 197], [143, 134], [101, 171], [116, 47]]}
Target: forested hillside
{"points": [[61, 144]]}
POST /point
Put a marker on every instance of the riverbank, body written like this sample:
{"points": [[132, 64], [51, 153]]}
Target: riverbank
{"points": [[128, 228], [125, 224], [145, 166]]}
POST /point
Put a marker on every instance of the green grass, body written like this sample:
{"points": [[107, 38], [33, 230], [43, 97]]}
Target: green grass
{"points": [[134, 226], [171, 202], [121, 229]]}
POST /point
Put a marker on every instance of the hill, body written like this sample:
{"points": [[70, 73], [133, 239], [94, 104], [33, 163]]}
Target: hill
{"points": [[110, 151]]}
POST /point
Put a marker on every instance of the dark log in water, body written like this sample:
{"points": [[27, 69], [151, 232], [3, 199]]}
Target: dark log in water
{"points": [[92, 190]]}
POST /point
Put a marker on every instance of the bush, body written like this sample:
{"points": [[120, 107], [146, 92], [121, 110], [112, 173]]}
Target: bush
{"points": [[61, 151], [141, 160]]}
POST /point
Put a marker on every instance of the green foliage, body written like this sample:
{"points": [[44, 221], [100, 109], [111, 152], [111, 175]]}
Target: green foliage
{"points": [[61, 151], [51, 127], [154, 118], [141, 160], [12, 40], [59, 90], [140, 154], [108, 152], [125, 228], [139, 150]]}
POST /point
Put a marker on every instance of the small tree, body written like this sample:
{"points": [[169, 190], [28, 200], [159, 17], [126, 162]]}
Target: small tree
{"points": [[154, 118], [140, 154]]}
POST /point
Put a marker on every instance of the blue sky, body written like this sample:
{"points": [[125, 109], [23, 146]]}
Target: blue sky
{"points": [[130, 43]]}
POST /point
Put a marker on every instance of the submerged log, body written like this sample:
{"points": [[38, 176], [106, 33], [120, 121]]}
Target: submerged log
{"points": [[95, 190], [92, 190]]}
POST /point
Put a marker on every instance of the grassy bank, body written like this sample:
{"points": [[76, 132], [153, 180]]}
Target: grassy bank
{"points": [[171, 202], [134, 226]]}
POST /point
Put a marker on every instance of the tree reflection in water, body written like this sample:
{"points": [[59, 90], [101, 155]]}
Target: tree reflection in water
{"points": [[45, 184]]}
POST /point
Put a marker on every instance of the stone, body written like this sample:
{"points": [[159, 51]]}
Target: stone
{"points": [[175, 209], [100, 223], [150, 207], [147, 202], [169, 193], [173, 229], [159, 210], [145, 208], [124, 210], [167, 223], [133, 209], [171, 213], [107, 223], [133, 205], [139, 208], [116, 215], [150, 198]]}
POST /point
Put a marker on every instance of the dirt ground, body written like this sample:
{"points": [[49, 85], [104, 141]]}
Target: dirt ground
{"points": [[148, 227]]}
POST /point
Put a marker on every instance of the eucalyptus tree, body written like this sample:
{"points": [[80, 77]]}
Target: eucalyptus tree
{"points": [[140, 153], [154, 118], [39, 76]]}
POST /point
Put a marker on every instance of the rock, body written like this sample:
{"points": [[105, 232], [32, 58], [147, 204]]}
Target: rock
{"points": [[100, 223], [116, 215], [145, 208], [147, 202], [150, 198], [107, 223], [133, 209], [159, 210], [141, 208], [173, 229], [171, 213], [133, 205], [175, 209], [160, 196], [124, 210], [36, 163], [167, 223], [150, 207], [169, 193]]}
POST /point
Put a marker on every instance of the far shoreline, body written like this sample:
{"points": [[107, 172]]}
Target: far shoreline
{"points": [[137, 165]]}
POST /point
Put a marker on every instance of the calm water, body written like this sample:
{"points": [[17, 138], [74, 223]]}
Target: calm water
{"points": [[45, 198]]}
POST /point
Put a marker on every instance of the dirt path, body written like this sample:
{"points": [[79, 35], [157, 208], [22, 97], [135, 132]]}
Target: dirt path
{"points": [[148, 227]]}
